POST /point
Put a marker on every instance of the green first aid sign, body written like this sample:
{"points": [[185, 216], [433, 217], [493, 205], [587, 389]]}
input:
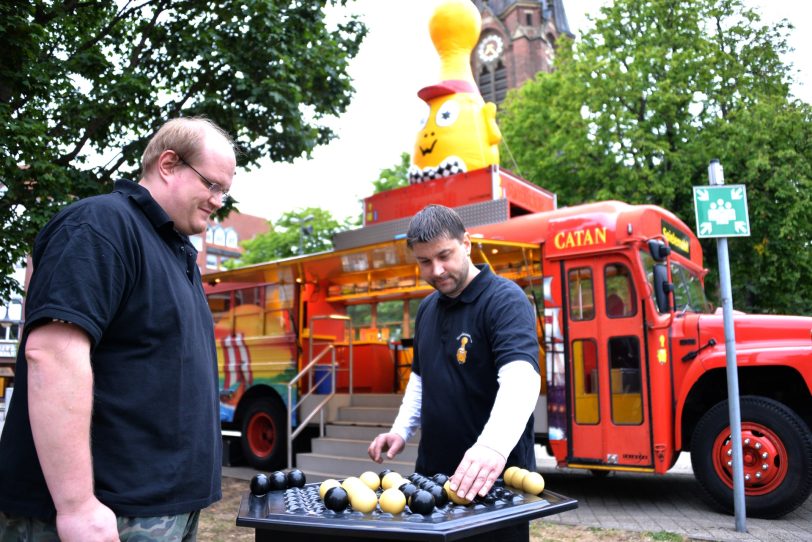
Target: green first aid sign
{"points": [[721, 211]]}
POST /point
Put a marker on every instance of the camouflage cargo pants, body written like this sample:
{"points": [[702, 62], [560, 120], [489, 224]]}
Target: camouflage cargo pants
{"points": [[180, 528]]}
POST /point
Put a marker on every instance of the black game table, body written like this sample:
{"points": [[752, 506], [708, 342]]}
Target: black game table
{"points": [[298, 515]]}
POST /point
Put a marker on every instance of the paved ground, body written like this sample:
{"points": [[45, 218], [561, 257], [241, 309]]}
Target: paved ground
{"points": [[642, 502], [648, 503]]}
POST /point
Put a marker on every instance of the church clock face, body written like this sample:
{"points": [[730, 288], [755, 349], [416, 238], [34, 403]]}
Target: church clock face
{"points": [[490, 48]]}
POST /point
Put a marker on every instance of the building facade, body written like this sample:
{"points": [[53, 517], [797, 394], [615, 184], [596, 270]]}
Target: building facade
{"points": [[517, 41], [221, 242]]}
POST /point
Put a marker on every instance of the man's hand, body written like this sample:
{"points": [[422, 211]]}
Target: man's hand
{"points": [[90, 522], [390, 443], [477, 472]]}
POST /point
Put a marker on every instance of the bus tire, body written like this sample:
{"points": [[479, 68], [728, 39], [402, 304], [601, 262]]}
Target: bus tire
{"points": [[768, 427], [264, 430]]}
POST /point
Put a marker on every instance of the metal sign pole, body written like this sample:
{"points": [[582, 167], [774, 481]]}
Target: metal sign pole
{"points": [[716, 177]]}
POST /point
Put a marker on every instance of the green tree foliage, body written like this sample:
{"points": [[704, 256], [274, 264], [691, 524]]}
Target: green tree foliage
{"points": [[638, 107], [283, 240], [83, 80], [395, 176]]}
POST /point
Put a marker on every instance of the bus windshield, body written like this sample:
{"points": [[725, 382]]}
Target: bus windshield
{"points": [[689, 294]]}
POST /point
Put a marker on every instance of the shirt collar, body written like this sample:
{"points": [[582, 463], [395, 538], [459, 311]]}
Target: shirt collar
{"points": [[474, 288], [141, 196]]}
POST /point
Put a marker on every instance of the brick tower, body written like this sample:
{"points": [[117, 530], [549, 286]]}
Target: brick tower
{"points": [[517, 41]]}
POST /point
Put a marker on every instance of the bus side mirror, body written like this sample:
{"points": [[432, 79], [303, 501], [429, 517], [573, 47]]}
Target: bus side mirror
{"points": [[659, 250], [662, 288]]}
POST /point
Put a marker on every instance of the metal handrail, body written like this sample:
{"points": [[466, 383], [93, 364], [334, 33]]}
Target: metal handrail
{"points": [[319, 408]]}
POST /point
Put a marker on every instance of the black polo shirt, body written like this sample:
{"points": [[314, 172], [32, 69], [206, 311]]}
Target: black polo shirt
{"points": [[460, 344], [115, 266]]}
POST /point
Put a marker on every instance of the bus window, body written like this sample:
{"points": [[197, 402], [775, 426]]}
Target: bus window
{"points": [[278, 309], [390, 319], [248, 314], [585, 381], [414, 304], [361, 316], [621, 300], [582, 301], [624, 375]]}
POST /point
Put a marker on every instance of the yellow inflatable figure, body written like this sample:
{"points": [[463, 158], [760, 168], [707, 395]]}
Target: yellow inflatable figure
{"points": [[460, 132]]}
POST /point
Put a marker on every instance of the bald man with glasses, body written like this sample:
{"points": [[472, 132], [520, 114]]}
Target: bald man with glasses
{"points": [[113, 430]]}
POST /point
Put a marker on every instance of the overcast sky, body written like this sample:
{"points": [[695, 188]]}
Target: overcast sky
{"points": [[396, 60]]}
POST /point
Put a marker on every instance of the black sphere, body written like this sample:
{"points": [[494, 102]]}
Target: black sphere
{"points": [[408, 489], [278, 480], [440, 479], [422, 502], [336, 499], [383, 473], [260, 485], [296, 478], [440, 496]]}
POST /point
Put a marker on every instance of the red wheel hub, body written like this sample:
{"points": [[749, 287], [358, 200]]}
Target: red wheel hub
{"points": [[261, 434], [764, 458]]}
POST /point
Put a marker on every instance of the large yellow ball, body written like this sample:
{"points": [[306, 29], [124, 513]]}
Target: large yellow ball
{"points": [[509, 472], [452, 495], [363, 499], [518, 478], [392, 500], [371, 479], [350, 482], [533, 483], [392, 479]]}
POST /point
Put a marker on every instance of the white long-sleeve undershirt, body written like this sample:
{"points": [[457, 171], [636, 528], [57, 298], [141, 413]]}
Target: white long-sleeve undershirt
{"points": [[515, 401]]}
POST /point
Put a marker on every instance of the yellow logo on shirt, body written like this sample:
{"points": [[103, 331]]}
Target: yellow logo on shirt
{"points": [[462, 353]]}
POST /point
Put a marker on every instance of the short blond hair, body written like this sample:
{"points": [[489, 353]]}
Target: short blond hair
{"points": [[182, 135]]}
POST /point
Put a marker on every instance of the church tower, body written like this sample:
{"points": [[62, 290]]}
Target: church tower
{"points": [[517, 41]]}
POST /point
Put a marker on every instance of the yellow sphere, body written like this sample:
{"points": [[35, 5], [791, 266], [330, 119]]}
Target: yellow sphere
{"points": [[363, 499], [533, 483], [350, 483], [452, 495], [392, 500], [509, 474], [327, 484], [518, 478], [392, 479], [371, 479]]}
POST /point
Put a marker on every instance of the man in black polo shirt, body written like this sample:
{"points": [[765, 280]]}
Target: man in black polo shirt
{"points": [[475, 375], [113, 429]]}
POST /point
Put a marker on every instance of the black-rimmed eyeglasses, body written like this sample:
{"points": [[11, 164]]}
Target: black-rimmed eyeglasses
{"points": [[215, 188]]}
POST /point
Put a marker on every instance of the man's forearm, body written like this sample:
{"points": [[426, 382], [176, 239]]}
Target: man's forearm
{"points": [[408, 418], [60, 403], [515, 401]]}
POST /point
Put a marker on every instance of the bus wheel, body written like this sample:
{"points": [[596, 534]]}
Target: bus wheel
{"points": [[264, 430], [776, 455]]}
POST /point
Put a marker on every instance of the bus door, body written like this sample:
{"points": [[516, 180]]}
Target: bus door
{"points": [[608, 414]]}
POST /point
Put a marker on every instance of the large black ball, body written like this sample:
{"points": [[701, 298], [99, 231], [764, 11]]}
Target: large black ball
{"points": [[422, 502], [279, 482], [296, 478], [260, 485], [440, 479], [408, 489], [336, 499], [439, 494], [426, 484]]}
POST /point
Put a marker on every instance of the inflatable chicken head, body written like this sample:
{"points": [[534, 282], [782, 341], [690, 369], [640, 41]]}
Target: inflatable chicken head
{"points": [[459, 132]]}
